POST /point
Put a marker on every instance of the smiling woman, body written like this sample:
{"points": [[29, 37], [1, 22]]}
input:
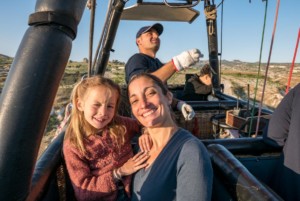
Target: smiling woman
{"points": [[150, 114], [178, 161]]}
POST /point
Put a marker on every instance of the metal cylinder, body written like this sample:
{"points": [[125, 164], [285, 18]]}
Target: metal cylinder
{"points": [[28, 95]]}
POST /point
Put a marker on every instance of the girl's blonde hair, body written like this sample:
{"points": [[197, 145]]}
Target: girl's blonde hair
{"points": [[79, 128]]}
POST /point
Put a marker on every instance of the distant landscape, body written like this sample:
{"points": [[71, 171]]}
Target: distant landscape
{"points": [[235, 75]]}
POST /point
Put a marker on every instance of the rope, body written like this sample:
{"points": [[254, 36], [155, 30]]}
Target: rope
{"points": [[210, 17], [293, 63], [259, 65], [267, 68]]}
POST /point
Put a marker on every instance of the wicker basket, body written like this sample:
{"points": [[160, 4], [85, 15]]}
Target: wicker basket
{"points": [[201, 126]]}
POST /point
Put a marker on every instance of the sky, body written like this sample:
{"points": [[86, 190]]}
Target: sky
{"points": [[242, 31]]}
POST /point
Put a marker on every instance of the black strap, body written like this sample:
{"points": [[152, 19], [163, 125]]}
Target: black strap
{"points": [[67, 23]]}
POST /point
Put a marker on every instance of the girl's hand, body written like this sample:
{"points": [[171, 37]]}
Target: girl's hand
{"points": [[145, 142], [134, 164]]}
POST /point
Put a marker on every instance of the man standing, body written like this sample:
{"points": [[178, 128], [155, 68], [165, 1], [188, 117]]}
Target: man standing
{"points": [[148, 42], [283, 131]]}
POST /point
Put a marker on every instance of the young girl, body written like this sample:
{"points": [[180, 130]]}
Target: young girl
{"points": [[97, 147], [179, 164]]}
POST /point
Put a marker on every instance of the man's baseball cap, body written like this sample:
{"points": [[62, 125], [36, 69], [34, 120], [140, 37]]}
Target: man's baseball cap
{"points": [[157, 26]]}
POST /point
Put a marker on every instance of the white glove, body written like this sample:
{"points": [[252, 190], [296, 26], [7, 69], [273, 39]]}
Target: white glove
{"points": [[186, 59], [187, 110]]}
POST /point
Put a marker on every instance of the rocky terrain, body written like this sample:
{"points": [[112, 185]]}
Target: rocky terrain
{"points": [[235, 75]]}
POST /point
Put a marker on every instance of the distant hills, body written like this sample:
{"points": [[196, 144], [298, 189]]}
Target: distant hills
{"points": [[2, 56], [225, 62], [5, 60]]}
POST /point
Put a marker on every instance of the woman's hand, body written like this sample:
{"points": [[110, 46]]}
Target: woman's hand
{"points": [[133, 164], [145, 142]]}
